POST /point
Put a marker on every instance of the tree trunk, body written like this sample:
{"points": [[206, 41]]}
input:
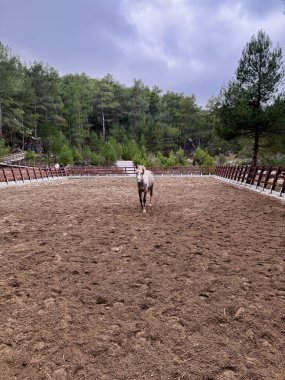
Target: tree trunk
{"points": [[255, 146]]}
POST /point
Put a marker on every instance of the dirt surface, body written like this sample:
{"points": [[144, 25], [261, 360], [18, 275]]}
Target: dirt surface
{"points": [[92, 288]]}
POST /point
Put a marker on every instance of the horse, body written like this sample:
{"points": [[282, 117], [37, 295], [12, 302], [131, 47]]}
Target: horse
{"points": [[145, 182]]}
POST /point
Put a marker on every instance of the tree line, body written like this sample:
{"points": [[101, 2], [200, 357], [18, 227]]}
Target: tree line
{"points": [[79, 119]]}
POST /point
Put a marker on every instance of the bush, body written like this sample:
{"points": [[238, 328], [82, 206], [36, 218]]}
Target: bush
{"points": [[108, 151], [29, 155], [277, 159], [202, 157], [129, 149], [171, 160], [161, 160], [66, 155], [97, 159], [3, 149], [77, 156], [180, 157]]}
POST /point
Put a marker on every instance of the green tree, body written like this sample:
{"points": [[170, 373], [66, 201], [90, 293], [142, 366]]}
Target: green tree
{"points": [[105, 102], [44, 105], [66, 155], [11, 85], [171, 159], [243, 105], [201, 157], [77, 92]]}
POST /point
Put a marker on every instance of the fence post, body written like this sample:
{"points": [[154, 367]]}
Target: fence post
{"points": [[5, 176], [34, 170], [278, 170], [253, 175], [12, 171], [283, 187], [260, 176], [28, 174], [267, 178], [244, 170], [22, 174], [41, 174]]}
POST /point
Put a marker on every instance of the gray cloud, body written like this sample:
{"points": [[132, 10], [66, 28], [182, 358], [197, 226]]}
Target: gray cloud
{"points": [[189, 46]]}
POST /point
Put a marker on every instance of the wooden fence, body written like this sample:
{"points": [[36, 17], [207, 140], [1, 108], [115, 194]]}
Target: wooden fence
{"points": [[130, 170], [15, 174], [21, 174], [271, 178], [264, 177]]}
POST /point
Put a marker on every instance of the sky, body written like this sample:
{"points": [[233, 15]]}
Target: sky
{"points": [[186, 46]]}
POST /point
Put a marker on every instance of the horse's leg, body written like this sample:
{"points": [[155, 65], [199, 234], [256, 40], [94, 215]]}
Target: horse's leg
{"points": [[140, 197], [144, 200], [150, 193]]}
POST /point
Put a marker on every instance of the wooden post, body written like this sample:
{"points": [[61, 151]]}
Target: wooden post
{"points": [[22, 174], [282, 188], [259, 177], [5, 176], [34, 170], [253, 175], [267, 178], [244, 173], [278, 171], [14, 177], [28, 174]]}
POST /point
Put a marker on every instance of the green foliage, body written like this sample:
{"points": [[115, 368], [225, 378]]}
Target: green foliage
{"points": [[181, 159], [161, 160], [171, 160], [58, 142], [77, 156], [110, 153], [201, 157], [277, 159], [66, 155], [29, 155], [97, 159], [101, 120], [4, 150], [244, 107], [129, 149], [141, 158]]}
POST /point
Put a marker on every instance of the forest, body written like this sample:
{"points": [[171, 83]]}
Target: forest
{"points": [[75, 119]]}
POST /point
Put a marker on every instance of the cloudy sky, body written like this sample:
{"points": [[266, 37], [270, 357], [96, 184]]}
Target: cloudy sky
{"points": [[187, 46]]}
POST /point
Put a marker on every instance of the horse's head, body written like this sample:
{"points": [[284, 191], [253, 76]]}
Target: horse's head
{"points": [[139, 173]]}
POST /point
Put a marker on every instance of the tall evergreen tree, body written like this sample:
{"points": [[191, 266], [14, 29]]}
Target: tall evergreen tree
{"points": [[11, 83], [243, 104]]}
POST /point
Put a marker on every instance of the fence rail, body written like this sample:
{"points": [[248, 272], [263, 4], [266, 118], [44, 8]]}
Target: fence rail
{"points": [[21, 174], [130, 170], [270, 178], [15, 174]]}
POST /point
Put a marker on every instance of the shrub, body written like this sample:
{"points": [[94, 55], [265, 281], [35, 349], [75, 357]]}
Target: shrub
{"points": [[66, 155], [77, 156], [171, 160], [180, 157], [202, 157], [29, 155], [3, 149], [108, 151]]}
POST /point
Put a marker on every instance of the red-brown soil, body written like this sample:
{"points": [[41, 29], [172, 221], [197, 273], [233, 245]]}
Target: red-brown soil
{"points": [[92, 288]]}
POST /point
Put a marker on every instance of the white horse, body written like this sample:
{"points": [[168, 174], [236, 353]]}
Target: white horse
{"points": [[145, 182]]}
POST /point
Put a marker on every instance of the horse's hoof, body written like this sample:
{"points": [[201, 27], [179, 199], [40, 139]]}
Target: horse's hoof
{"points": [[144, 210], [150, 205]]}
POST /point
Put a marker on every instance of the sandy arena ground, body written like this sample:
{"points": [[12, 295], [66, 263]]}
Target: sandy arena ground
{"points": [[92, 288]]}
